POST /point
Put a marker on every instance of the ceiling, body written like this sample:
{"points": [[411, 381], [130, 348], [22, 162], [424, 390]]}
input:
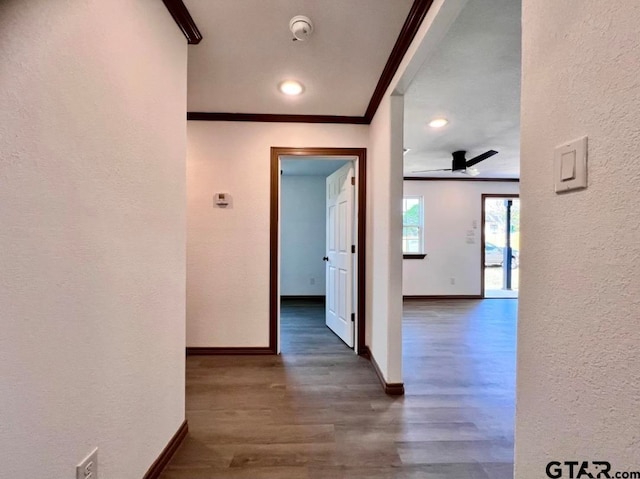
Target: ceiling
{"points": [[247, 49], [472, 77], [473, 80], [310, 166]]}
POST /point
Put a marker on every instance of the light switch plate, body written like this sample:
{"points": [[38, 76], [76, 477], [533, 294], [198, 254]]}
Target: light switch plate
{"points": [[570, 166], [88, 469]]}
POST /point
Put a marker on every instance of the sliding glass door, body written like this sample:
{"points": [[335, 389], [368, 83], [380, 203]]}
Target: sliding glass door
{"points": [[501, 246]]}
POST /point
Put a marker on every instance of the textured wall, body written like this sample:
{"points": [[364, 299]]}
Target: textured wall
{"points": [[578, 333], [450, 210], [92, 215], [302, 235], [384, 230], [228, 249]]}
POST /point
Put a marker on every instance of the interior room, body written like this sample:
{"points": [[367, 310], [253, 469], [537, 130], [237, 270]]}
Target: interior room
{"points": [[461, 151], [304, 281]]}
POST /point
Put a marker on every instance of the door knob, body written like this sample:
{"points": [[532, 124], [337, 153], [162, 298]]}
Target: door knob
{"points": [[326, 258]]}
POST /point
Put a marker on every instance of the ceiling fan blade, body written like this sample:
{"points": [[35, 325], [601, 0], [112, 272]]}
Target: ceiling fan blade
{"points": [[428, 171], [482, 157]]}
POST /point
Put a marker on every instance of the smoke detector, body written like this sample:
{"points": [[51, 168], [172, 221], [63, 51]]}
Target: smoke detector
{"points": [[301, 27]]}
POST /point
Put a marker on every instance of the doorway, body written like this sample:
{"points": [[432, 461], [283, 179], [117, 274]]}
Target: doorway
{"points": [[303, 269], [500, 246]]}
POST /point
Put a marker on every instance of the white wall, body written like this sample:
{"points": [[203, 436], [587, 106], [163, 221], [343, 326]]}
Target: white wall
{"points": [[451, 210], [92, 208], [302, 235], [384, 232], [228, 249], [578, 332]]}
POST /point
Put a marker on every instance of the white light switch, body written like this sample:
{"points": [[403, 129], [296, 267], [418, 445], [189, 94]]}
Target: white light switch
{"points": [[570, 165]]}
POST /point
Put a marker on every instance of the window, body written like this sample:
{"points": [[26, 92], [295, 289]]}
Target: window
{"points": [[412, 225]]}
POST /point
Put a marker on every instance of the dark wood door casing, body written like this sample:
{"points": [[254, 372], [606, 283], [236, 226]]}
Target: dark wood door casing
{"points": [[361, 155]]}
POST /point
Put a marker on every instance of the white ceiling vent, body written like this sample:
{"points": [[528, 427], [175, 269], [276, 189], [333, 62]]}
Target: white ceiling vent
{"points": [[301, 27]]}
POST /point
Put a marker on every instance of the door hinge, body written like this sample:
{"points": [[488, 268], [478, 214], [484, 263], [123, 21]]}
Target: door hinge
{"points": [[353, 317], [353, 180], [353, 248]]}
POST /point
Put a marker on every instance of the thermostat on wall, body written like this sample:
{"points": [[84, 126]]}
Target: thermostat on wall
{"points": [[222, 199]]}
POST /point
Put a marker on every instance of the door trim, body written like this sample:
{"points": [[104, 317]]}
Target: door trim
{"points": [[482, 238], [276, 153]]}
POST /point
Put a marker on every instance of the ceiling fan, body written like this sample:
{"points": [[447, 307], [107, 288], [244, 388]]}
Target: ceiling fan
{"points": [[462, 165]]}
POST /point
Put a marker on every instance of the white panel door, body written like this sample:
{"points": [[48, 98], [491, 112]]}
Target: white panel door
{"points": [[339, 259]]}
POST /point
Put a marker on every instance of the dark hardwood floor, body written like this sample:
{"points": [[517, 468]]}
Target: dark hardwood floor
{"points": [[318, 411]]}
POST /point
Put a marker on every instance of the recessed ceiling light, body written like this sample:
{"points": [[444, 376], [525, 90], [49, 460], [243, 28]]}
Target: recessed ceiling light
{"points": [[291, 87], [438, 122]]}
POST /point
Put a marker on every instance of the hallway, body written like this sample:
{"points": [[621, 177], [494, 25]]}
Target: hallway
{"points": [[317, 411]]}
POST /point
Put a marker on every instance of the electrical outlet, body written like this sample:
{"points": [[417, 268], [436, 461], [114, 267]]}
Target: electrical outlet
{"points": [[88, 469], [452, 281], [312, 281]]}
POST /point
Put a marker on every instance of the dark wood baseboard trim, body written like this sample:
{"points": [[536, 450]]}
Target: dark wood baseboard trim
{"points": [[452, 296], [229, 351], [167, 453], [392, 389], [316, 297], [183, 19]]}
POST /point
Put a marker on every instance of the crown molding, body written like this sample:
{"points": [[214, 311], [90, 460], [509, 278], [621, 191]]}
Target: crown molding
{"points": [[183, 19], [275, 118], [411, 26]]}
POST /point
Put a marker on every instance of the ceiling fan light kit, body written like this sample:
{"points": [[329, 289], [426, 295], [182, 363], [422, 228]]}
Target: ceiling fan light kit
{"points": [[459, 163]]}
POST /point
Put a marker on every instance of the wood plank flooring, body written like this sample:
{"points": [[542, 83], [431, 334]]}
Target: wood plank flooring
{"points": [[318, 411]]}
